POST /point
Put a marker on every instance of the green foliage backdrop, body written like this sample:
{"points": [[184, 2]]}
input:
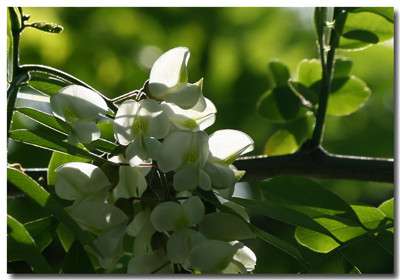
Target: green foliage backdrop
{"points": [[113, 48]]}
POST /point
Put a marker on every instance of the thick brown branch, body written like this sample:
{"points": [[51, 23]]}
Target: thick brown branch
{"points": [[320, 164]]}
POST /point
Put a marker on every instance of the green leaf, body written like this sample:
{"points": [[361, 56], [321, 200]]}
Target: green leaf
{"points": [[41, 230], [57, 159], [279, 104], [280, 213], [368, 256], [280, 143], [49, 140], [56, 124], [364, 29], [387, 208], [46, 84], [225, 227], [38, 194], [65, 235], [281, 245], [24, 209], [77, 260], [279, 72], [343, 67], [370, 218], [385, 12], [347, 96], [309, 71], [306, 196], [22, 245], [44, 119]]}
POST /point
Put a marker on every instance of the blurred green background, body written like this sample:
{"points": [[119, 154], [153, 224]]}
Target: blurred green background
{"points": [[113, 49]]}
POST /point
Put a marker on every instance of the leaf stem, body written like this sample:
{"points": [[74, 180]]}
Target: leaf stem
{"points": [[16, 78], [339, 17]]}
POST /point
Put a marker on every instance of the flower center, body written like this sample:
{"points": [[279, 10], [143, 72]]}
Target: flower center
{"points": [[139, 126]]}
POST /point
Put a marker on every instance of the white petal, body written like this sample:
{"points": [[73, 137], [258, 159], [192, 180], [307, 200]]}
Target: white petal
{"points": [[110, 246], [132, 183], [181, 243], [86, 131], [221, 175], [124, 120], [204, 181], [153, 147], [186, 178], [77, 102], [229, 144], [136, 148], [95, 215], [191, 119], [185, 95], [172, 151], [245, 256], [143, 118], [194, 210], [138, 223], [168, 70], [76, 180], [183, 147], [168, 216]]}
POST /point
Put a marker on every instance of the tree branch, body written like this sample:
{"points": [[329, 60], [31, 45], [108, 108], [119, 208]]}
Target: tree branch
{"points": [[319, 164]]}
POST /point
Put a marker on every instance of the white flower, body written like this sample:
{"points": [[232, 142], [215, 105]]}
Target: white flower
{"points": [[226, 146], [197, 118], [139, 125], [131, 181], [81, 108], [244, 255], [169, 79], [77, 180], [186, 153]]}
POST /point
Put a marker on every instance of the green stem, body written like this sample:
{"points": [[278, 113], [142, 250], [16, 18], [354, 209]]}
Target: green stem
{"points": [[327, 71], [12, 90]]}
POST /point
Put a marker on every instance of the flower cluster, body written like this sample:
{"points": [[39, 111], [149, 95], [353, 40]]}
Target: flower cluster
{"points": [[167, 160]]}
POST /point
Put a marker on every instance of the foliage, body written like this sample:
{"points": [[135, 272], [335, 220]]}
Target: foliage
{"points": [[135, 184]]}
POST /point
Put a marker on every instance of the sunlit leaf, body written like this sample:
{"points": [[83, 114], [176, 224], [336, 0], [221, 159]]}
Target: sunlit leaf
{"points": [[44, 118], [66, 236], [370, 218], [22, 245], [347, 96], [387, 208], [39, 195], [363, 29], [386, 12], [280, 143]]}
